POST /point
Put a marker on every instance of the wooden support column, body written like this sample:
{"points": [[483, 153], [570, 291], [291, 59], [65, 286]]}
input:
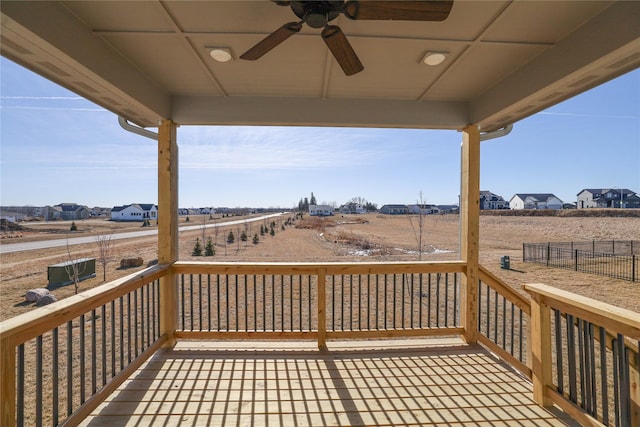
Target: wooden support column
{"points": [[470, 229], [540, 350], [168, 225], [8, 383]]}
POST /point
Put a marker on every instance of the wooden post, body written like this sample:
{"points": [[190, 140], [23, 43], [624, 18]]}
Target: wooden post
{"points": [[322, 309], [540, 349], [168, 225], [8, 383], [470, 224]]}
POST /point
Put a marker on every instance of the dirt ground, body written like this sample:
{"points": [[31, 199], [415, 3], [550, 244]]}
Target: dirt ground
{"points": [[348, 238]]}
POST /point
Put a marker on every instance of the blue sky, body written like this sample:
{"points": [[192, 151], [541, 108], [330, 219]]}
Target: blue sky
{"points": [[57, 147]]}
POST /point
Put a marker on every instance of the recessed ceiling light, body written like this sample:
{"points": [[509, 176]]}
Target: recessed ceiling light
{"points": [[434, 58], [221, 54]]}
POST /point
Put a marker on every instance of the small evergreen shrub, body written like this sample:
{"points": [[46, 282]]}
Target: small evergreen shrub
{"points": [[197, 248], [209, 249]]}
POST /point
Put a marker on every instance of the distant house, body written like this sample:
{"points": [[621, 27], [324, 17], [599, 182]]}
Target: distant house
{"points": [[51, 213], [352, 208], [423, 209], [489, 200], [449, 209], [535, 201], [608, 198], [320, 210], [394, 209], [98, 211], [134, 212], [73, 211]]}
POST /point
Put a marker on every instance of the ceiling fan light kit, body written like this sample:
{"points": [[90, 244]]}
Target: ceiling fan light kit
{"points": [[318, 14]]}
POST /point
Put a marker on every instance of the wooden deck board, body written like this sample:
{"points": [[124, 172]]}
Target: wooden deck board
{"points": [[194, 385]]}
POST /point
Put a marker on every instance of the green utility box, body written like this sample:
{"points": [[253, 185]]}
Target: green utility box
{"points": [[505, 262], [62, 274]]}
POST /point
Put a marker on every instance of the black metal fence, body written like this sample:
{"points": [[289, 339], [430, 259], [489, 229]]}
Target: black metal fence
{"points": [[612, 258]]}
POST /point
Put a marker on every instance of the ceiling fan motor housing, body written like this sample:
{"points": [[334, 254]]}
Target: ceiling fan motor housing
{"points": [[317, 14]]}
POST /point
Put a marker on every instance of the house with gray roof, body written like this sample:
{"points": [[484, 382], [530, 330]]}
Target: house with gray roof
{"points": [[535, 201], [489, 200], [73, 211], [608, 198], [394, 209]]}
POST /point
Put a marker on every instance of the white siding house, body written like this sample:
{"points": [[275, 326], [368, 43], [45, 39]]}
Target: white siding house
{"points": [[423, 209], [320, 210], [134, 212], [535, 201]]}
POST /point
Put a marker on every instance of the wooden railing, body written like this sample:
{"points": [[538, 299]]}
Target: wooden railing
{"points": [[60, 361], [585, 357], [318, 301], [503, 321]]}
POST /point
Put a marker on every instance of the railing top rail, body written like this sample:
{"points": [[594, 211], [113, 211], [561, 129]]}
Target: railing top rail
{"points": [[313, 268], [613, 318], [34, 323]]}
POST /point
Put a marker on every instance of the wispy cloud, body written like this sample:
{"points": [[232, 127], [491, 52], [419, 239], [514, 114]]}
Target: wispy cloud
{"points": [[272, 148], [22, 107], [47, 98], [599, 116]]}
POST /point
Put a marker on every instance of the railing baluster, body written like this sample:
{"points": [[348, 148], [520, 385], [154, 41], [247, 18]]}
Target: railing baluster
{"points": [[604, 383], [94, 355], [69, 368], [200, 323], [82, 359], [20, 386], [581, 360], [571, 358], [191, 308], [39, 369], [446, 299], [103, 337], [209, 314], [54, 376], [558, 352]]}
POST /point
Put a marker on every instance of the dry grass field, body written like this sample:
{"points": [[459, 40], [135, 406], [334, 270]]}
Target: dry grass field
{"points": [[349, 238]]}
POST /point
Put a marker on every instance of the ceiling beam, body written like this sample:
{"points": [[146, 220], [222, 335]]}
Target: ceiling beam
{"points": [[266, 111]]}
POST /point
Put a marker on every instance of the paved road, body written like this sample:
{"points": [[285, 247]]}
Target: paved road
{"points": [[44, 244]]}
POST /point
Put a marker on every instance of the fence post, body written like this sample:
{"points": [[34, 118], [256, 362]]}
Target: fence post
{"points": [[548, 252], [633, 268], [575, 254]]}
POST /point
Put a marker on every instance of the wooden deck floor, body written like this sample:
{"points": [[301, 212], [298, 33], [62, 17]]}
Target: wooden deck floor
{"points": [[424, 384]]}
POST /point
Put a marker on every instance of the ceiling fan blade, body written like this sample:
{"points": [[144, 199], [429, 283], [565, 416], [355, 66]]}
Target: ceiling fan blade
{"points": [[341, 49], [398, 10], [271, 41]]}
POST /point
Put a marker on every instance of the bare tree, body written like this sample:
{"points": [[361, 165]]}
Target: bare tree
{"points": [[75, 268], [105, 252], [418, 227]]}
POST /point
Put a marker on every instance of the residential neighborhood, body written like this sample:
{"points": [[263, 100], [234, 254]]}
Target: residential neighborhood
{"points": [[588, 198]]}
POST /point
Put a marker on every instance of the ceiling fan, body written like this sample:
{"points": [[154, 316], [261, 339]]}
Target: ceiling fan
{"points": [[318, 14]]}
